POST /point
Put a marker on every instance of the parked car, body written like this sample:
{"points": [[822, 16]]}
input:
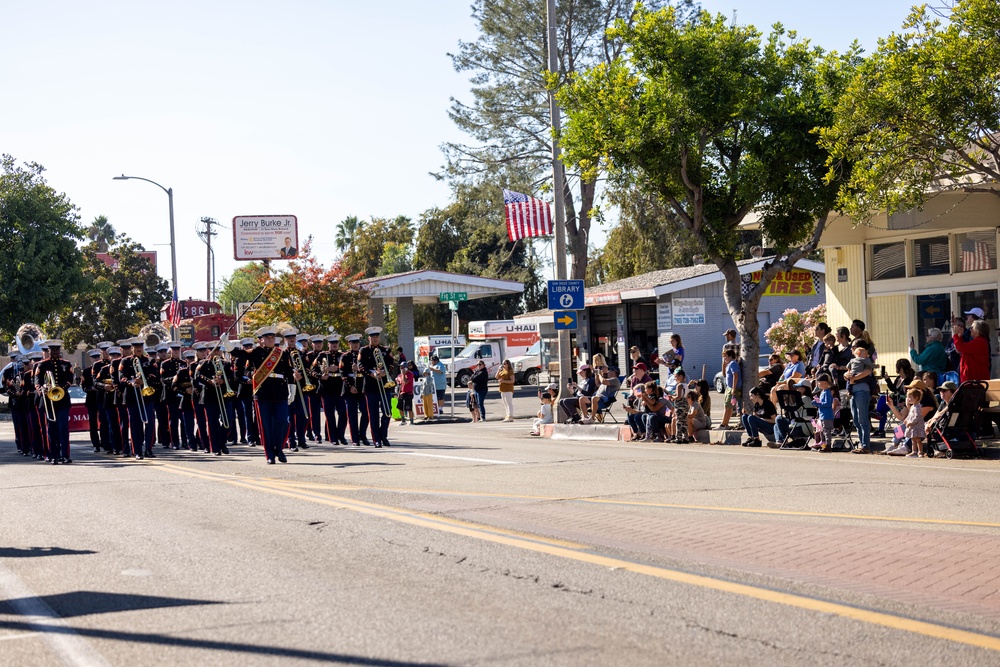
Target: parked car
{"points": [[79, 419]]}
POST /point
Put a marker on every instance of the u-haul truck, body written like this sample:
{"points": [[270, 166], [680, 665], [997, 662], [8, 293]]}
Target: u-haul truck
{"points": [[492, 341]]}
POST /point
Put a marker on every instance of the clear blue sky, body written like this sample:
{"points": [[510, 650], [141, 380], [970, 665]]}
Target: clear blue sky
{"points": [[321, 109]]}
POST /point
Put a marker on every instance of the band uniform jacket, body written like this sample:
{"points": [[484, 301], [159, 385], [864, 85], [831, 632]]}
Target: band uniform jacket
{"points": [[368, 367], [353, 382], [205, 378], [333, 385], [62, 371], [127, 373], [88, 386], [168, 371], [275, 386], [241, 360]]}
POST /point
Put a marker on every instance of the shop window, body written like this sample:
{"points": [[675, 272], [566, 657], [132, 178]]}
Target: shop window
{"points": [[985, 300], [888, 261], [930, 256], [933, 312], [977, 251]]}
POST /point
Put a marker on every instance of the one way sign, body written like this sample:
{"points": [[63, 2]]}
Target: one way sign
{"points": [[565, 319]]}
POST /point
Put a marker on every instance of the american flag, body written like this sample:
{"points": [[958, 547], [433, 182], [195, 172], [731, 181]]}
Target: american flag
{"points": [[174, 311], [526, 216], [975, 256]]}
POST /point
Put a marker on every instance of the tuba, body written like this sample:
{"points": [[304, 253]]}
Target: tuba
{"points": [[29, 338], [154, 334]]}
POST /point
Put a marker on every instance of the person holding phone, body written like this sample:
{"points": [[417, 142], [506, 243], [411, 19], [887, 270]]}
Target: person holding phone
{"points": [[934, 358]]}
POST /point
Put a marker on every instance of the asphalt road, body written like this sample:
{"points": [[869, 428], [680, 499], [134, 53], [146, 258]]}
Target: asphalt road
{"points": [[477, 545]]}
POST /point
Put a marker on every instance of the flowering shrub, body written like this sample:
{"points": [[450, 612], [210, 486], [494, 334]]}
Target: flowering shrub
{"points": [[794, 331]]}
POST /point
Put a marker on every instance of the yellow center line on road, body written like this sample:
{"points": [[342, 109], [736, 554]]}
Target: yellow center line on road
{"points": [[637, 503], [546, 546]]}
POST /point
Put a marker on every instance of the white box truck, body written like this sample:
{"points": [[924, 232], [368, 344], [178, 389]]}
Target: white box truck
{"points": [[492, 341], [425, 346]]}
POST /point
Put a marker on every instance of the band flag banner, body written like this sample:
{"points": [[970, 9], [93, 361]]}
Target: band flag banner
{"points": [[526, 216], [265, 369]]}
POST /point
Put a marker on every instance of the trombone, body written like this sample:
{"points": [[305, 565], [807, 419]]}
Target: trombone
{"points": [[220, 371], [146, 389], [52, 394], [383, 387]]}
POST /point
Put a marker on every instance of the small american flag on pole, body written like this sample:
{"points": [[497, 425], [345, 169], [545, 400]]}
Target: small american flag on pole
{"points": [[174, 311], [526, 216], [975, 256]]}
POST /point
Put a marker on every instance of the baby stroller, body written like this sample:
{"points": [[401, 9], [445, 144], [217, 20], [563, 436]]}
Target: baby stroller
{"points": [[954, 432], [843, 425], [800, 416]]}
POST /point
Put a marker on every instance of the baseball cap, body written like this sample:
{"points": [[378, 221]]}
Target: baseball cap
{"points": [[978, 312]]}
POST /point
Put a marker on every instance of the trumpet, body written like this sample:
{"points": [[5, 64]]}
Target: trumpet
{"points": [[52, 394]]}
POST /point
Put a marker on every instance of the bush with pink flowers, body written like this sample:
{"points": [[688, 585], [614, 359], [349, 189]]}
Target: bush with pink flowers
{"points": [[795, 330]]}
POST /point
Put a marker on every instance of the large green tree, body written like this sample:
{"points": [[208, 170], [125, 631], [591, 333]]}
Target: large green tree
{"points": [[242, 285], [364, 256], [922, 112], [115, 301], [508, 116], [40, 264], [717, 122]]}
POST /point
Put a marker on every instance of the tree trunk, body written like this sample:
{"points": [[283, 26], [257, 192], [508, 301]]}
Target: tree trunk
{"points": [[743, 312]]}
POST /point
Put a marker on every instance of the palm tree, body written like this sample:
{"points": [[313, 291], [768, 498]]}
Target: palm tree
{"points": [[101, 232], [346, 230]]}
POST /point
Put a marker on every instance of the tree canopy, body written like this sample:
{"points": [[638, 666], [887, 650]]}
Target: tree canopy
{"points": [[115, 301], [921, 112], [40, 264], [312, 298], [242, 285], [717, 122], [508, 116]]}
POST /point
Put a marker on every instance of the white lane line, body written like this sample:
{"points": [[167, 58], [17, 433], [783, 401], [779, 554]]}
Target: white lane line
{"points": [[23, 635], [72, 649], [461, 458]]}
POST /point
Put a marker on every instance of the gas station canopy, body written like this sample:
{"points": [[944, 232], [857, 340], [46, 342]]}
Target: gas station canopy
{"points": [[426, 286]]}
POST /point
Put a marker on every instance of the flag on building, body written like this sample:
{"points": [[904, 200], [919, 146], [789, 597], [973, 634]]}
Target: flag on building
{"points": [[526, 216], [975, 256], [174, 311]]}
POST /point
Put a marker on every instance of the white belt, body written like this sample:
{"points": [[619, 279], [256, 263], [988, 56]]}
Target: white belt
{"points": [[276, 375]]}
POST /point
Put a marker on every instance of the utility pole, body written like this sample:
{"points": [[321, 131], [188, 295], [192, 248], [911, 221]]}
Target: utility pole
{"points": [[206, 235], [565, 357]]}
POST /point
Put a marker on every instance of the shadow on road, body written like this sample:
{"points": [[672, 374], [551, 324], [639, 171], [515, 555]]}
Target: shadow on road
{"points": [[33, 552], [84, 603], [256, 649]]}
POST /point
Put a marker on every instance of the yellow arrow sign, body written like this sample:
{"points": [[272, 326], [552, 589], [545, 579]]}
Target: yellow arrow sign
{"points": [[565, 319]]}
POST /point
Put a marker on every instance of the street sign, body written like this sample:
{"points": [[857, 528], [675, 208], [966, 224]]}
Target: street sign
{"points": [[186, 334], [565, 319], [453, 296], [565, 295]]}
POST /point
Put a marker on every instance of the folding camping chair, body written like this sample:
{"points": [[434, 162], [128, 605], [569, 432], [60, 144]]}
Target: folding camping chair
{"points": [[800, 416], [954, 431], [605, 412]]}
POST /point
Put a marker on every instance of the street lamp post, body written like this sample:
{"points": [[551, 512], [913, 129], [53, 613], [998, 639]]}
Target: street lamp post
{"points": [[173, 244]]}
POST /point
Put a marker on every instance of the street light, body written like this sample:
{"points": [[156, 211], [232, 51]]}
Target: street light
{"points": [[173, 244]]}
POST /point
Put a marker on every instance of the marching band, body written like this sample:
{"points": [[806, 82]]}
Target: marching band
{"points": [[274, 393]]}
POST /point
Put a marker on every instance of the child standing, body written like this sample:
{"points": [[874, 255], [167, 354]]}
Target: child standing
{"points": [[544, 413], [824, 404], [677, 428], [914, 422], [427, 393], [472, 402]]}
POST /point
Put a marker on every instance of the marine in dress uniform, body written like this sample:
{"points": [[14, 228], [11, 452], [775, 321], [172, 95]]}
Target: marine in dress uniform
{"points": [[247, 423], [271, 374], [298, 420], [313, 399], [184, 388], [124, 427], [202, 435], [104, 426], [213, 376], [92, 401], [169, 398], [331, 391], [141, 408], [10, 386], [375, 395], [56, 371], [162, 352], [33, 419], [350, 371]]}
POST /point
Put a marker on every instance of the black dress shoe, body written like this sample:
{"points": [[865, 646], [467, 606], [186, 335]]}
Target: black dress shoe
{"points": [[304, 446], [218, 453], [150, 454], [55, 461], [343, 442], [243, 441], [67, 460], [270, 461], [294, 449], [378, 445], [386, 442], [138, 457], [366, 443], [356, 444], [225, 450], [281, 457]]}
